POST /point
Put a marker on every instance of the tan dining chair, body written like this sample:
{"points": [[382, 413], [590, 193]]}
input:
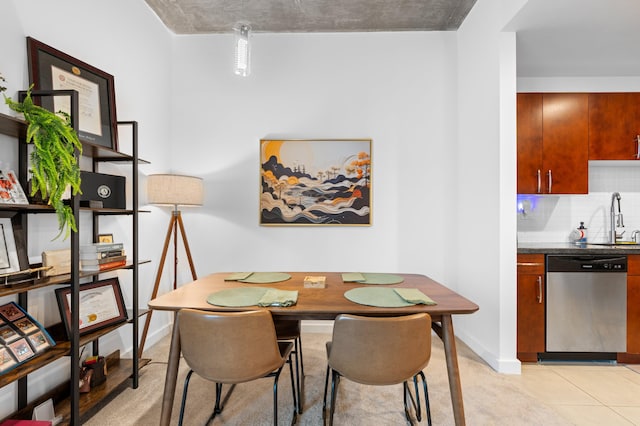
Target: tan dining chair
{"points": [[380, 351], [231, 348], [290, 331]]}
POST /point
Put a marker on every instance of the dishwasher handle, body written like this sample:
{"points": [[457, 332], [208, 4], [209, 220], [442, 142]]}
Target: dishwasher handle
{"points": [[539, 297]]}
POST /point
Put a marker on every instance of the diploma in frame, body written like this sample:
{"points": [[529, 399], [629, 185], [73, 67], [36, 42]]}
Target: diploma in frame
{"points": [[51, 69], [101, 305]]}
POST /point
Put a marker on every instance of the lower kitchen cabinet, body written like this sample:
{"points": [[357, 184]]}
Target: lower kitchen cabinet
{"points": [[633, 308], [531, 305]]}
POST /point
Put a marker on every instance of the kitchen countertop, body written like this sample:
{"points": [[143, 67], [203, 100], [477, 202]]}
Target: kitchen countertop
{"points": [[571, 248]]}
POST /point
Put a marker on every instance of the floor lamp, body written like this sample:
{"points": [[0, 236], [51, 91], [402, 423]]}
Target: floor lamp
{"points": [[175, 191]]}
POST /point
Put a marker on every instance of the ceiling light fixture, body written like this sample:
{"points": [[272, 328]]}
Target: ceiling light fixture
{"points": [[242, 63]]}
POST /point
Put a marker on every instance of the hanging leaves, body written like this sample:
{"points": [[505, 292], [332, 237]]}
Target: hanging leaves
{"points": [[54, 165]]}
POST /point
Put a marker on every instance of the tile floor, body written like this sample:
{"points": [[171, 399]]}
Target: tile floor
{"points": [[587, 394]]}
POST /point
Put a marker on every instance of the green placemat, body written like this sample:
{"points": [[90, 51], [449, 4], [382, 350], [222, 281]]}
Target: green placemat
{"points": [[275, 297], [236, 297], [371, 278], [265, 277], [381, 297], [237, 276], [413, 295]]}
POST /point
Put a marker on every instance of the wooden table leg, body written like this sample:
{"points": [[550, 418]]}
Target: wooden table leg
{"points": [[172, 375], [451, 356]]}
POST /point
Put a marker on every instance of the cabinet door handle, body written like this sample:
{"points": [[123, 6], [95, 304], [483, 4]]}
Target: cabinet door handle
{"points": [[550, 180], [637, 147], [539, 290], [540, 176]]}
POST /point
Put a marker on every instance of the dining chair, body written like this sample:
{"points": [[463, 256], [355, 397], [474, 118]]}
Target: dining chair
{"points": [[380, 351], [231, 348], [290, 331]]}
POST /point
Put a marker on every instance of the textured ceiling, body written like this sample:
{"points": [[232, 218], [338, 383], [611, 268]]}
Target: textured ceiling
{"points": [[220, 16]]}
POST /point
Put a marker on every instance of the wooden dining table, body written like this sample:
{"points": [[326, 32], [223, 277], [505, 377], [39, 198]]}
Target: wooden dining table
{"points": [[320, 304]]}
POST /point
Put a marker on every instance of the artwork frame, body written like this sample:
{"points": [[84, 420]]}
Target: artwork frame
{"points": [[315, 182], [9, 256], [103, 306], [105, 238], [51, 69]]}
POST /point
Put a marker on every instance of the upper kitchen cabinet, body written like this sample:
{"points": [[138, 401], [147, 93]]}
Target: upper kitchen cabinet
{"points": [[553, 132], [614, 126]]}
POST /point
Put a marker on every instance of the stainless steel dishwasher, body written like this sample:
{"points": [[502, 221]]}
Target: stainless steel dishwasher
{"points": [[586, 308]]}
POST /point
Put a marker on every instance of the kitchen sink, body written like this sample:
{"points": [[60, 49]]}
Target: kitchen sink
{"points": [[618, 244]]}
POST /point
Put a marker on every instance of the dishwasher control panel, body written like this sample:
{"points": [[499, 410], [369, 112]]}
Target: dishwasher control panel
{"points": [[595, 263]]}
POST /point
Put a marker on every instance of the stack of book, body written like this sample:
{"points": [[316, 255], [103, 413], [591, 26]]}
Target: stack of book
{"points": [[101, 256]]}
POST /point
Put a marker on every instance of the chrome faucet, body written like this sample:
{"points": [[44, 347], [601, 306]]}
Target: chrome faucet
{"points": [[619, 222]]}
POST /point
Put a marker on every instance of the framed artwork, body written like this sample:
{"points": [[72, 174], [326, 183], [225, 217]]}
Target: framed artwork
{"points": [[51, 69], [6, 360], [105, 238], [9, 261], [101, 305], [21, 350], [315, 182]]}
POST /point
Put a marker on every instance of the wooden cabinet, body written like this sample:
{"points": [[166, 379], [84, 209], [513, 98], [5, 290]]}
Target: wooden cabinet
{"points": [[69, 403], [530, 307], [614, 126], [633, 305], [553, 136]]}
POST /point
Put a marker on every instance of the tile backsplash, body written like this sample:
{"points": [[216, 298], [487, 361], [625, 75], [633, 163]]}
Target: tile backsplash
{"points": [[551, 218]]}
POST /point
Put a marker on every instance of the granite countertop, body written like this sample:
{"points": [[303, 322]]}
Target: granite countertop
{"points": [[571, 248]]}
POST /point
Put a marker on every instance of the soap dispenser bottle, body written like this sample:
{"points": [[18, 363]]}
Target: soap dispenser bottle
{"points": [[583, 233]]}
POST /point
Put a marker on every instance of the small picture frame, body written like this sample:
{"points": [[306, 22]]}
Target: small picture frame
{"points": [[101, 305], [8, 334], [6, 359], [11, 311], [25, 326], [38, 341], [21, 349], [105, 238]]}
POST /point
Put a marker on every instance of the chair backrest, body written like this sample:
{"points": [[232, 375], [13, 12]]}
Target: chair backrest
{"points": [[229, 347], [380, 350]]}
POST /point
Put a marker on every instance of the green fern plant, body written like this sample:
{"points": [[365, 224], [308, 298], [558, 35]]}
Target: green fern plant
{"points": [[54, 165]]}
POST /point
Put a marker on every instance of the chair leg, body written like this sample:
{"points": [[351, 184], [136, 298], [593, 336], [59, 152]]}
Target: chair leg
{"points": [[335, 381], [276, 376], [298, 355], [184, 396], [293, 392], [324, 398], [218, 408], [426, 397]]}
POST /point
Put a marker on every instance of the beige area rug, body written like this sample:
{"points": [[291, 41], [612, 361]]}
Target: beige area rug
{"points": [[490, 398]]}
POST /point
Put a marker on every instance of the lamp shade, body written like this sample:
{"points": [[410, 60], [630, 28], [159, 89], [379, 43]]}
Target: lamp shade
{"points": [[175, 190]]}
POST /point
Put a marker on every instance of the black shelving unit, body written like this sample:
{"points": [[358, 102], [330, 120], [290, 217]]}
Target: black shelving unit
{"points": [[68, 401]]}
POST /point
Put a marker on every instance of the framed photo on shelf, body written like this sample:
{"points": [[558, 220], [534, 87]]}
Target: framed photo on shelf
{"points": [[9, 259], [21, 349], [105, 238], [101, 305], [51, 69], [11, 311], [6, 360], [8, 334], [315, 182], [38, 341], [25, 326]]}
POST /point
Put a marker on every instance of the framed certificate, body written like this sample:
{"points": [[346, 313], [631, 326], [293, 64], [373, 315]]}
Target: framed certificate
{"points": [[101, 305], [51, 69]]}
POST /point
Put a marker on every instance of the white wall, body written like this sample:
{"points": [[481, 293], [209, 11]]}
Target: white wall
{"points": [[486, 243], [108, 36], [395, 88]]}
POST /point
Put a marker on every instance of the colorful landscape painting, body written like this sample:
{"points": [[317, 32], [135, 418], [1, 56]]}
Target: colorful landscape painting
{"points": [[315, 182]]}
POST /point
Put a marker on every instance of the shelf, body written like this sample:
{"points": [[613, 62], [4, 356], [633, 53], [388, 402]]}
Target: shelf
{"points": [[58, 280], [12, 126], [44, 208], [118, 374]]}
